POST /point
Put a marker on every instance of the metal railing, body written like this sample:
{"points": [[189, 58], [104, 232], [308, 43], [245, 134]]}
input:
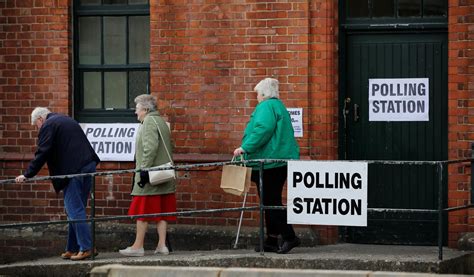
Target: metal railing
{"points": [[261, 208]]}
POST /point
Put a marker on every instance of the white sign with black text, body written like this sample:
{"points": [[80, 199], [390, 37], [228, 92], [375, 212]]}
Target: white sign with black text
{"points": [[296, 115], [399, 99], [112, 141], [327, 193]]}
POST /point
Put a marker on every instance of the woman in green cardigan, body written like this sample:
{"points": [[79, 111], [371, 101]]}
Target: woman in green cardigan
{"points": [[148, 199], [269, 135]]}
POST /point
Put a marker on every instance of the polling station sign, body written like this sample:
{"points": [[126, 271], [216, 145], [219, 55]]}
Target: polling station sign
{"points": [[112, 142], [327, 193], [399, 99]]}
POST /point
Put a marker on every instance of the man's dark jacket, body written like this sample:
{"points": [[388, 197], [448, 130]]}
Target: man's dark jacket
{"points": [[64, 146]]}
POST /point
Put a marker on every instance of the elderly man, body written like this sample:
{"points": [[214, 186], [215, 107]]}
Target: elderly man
{"points": [[64, 147]]}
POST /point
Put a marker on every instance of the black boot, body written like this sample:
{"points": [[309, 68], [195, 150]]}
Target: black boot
{"points": [[269, 245], [288, 245]]}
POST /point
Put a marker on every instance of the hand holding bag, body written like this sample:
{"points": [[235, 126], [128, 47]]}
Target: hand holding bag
{"points": [[236, 179], [162, 176]]}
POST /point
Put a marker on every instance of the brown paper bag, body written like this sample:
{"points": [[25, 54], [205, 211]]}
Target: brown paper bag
{"points": [[236, 179]]}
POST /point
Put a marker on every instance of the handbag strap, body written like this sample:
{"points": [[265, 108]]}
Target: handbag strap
{"points": [[159, 131]]}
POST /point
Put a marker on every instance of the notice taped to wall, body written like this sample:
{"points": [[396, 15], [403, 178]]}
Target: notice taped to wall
{"points": [[327, 193], [112, 142], [296, 115], [399, 99]]}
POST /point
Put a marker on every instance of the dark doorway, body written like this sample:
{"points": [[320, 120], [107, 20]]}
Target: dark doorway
{"points": [[384, 48]]}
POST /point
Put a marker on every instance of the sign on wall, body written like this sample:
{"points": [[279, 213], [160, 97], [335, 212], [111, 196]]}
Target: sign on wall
{"points": [[399, 99], [296, 115], [327, 193], [112, 142]]}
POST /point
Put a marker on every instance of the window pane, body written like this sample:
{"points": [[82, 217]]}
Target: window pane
{"points": [[89, 40], [115, 2], [409, 8], [137, 2], [137, 84], [92, 83], [434, 8], [357, 8], [114, 40], [139, 39], [383, 8], [90, 2], [115, 90]]}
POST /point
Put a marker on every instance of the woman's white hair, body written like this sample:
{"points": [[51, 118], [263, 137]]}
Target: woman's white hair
{"points": [[267, 88], [146, 101], [39, 112]]}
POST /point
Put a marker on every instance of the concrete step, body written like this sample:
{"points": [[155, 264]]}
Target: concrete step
{"points": [[144, 271], [44, 241], [340, 257]]}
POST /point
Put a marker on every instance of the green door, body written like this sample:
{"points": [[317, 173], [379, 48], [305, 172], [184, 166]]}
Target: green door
{"points": [[389, 55]]}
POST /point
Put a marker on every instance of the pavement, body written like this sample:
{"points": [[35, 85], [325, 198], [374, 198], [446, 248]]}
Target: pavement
{"points": [[342, 257]]}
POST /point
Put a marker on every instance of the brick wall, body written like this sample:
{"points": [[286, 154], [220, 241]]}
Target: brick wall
{"points": [[205, 60], [460, 121], [34, 67], [323, 90], [34, 71]]}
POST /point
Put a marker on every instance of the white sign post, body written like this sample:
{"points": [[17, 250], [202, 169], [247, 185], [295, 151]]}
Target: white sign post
{"points": [[327, 193], [399, 99], [112, 142]]}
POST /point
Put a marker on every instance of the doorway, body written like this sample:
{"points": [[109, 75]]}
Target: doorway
{"points": [[378, 48]]}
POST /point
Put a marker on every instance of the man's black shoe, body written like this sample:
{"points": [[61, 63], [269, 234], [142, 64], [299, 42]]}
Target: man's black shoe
{"points": [[288, 245], [267, 248]]}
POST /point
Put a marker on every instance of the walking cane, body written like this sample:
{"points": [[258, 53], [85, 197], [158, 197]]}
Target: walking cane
{"points": [[240, 221]]}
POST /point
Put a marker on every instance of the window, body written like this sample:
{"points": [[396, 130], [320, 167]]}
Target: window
{"points": [[358, 8], [112, 58], [396, 9]]}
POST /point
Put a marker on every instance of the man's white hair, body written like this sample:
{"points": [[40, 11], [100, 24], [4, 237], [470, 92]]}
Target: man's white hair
{"points": [[39, 112], [267, 88]]}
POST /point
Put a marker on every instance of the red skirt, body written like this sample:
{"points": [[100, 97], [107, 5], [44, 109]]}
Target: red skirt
{"points": [[153, 204]]}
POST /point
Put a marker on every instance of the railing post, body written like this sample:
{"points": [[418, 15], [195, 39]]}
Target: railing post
{"points": [[93, 216], [440, 210], [262, 209]]}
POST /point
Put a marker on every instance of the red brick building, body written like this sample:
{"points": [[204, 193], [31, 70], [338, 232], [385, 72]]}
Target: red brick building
{"points": [[202, 60]]}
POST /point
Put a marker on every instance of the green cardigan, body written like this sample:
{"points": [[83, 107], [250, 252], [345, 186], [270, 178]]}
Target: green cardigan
{"points": [[149, 152], [269, 134]]}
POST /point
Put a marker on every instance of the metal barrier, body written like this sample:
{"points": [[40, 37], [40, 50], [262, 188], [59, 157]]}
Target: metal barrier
{"points": [[260, 207]]}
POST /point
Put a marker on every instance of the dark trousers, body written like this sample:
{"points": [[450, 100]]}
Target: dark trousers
{"points": [[275, 220]]}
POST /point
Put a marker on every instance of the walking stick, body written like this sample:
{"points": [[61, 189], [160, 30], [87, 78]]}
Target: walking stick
{"points": [[240, 221]]}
